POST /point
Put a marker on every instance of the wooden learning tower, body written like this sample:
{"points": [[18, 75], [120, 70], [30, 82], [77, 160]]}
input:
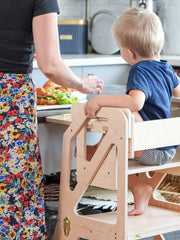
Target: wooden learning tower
{"points": [[109, 168]]}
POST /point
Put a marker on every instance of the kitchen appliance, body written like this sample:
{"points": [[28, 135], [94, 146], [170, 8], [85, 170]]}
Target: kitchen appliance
{"points": [[102, 40], [147, 4], [73, 36]]}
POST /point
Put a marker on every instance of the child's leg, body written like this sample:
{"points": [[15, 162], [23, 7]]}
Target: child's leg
{"points": [[141, 192]]}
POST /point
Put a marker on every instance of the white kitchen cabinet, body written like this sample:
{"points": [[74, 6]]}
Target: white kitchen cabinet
{"points": [[39, 78], [111, 74]]}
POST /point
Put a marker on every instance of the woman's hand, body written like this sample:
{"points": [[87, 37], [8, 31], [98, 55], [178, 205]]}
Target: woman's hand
{"points": [[91, 84]]}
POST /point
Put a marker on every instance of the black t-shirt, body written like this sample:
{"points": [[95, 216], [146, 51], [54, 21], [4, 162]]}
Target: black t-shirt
{"points": [[16, 39]]}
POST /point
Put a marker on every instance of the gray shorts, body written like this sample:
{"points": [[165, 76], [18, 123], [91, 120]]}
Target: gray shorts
{"points": [[156, 157]]}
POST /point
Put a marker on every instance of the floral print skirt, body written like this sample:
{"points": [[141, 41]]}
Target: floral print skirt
{"points": [[21, 186]]}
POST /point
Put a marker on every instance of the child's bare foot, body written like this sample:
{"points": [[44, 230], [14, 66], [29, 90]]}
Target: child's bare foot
{"points": [[142, 193]]}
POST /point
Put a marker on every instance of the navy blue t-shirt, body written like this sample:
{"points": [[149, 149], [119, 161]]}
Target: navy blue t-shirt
{"points": [[16, 39], [157, 80]]}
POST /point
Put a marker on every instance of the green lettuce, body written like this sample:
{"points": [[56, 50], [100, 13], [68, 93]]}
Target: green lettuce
{"points": [[63, 97]]}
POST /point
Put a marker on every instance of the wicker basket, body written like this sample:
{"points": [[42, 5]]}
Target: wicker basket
{"points": [[170, 188]]}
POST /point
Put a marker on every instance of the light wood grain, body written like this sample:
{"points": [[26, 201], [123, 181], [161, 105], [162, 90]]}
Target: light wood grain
{"points": [[109, 168]]}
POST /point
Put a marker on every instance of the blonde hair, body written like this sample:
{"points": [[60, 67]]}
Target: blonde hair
{"points": [[139, 30]]}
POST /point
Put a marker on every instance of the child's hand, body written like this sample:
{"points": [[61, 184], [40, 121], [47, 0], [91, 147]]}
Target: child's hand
{"points": [[91, 108]]}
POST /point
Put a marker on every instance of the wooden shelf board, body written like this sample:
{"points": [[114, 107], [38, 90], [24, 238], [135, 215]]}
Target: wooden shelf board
{"points": [[153, 222], [60, 119], [134, 167]]}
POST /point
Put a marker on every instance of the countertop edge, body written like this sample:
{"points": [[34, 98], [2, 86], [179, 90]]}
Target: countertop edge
{"points": [[77, 60]]}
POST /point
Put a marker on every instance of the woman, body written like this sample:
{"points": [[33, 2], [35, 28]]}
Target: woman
{"points": [[21, 196]]}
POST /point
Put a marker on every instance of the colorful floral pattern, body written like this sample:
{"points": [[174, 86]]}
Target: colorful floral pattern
{"points": [[21, 186]]}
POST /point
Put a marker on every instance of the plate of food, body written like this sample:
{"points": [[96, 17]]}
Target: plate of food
{"points": [[54, 96]]}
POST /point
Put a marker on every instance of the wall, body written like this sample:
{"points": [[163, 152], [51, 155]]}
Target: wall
{"points": [[169, 12], [75, 9]]}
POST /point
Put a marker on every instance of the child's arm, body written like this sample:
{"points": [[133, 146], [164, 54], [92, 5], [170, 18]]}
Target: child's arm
{"points": [[134, 100], [176, 91]]}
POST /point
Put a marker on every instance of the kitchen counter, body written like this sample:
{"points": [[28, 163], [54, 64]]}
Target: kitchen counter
{"points": [[175, 107], [73, 60], [172, 60], [79, 60], [64, 110], [42, 114], [175, 100]]}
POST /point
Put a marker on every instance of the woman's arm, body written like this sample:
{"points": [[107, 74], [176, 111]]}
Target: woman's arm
{"points": [[50, 62]]}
